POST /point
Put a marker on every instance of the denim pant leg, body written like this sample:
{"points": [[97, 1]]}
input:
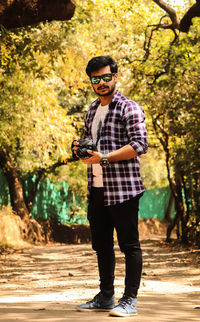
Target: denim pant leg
{"points": [[125, 218], [101, 227]]}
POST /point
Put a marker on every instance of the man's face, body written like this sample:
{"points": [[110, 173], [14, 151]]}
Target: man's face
{"points": [[104, 88]]}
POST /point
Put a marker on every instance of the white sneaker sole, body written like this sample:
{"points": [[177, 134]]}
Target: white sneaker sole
{"points": [[125, 315]]}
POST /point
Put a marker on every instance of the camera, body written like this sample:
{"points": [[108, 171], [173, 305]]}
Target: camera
{"points": [[84, 145]]}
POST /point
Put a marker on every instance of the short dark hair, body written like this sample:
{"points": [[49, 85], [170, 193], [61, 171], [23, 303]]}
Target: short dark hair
{"points": [[101, 61]]}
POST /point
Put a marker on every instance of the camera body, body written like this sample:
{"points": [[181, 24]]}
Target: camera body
{"points": [[84, 145]]}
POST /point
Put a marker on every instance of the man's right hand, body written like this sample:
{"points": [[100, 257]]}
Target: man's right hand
{"points": [[75, 145]]}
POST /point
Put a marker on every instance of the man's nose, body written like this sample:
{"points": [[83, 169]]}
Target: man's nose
{"points": [[101, 81]]}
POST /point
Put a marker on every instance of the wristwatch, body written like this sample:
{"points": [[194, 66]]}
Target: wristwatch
{"points": [[104, 161]]}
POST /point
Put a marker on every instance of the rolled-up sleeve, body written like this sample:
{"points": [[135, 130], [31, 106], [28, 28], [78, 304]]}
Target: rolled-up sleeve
{"points": [[134, 119]]}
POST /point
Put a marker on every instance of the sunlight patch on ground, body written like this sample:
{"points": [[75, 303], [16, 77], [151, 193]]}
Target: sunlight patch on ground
{"points": [[81, 294]]}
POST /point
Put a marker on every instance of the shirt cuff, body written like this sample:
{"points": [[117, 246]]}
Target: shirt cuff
{"points": [[139, 148]]}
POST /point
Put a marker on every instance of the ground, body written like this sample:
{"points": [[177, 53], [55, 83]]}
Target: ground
{"points": [[45, 283]]}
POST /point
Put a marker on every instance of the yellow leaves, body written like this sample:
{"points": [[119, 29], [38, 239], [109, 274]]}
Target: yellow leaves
{"points": [[37, 125]]}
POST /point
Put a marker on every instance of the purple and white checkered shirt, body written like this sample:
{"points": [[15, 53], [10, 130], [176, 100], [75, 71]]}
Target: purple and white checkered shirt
{"points": [[124, 124]]}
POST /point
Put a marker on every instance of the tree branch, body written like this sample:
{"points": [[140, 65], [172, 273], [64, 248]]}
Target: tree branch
{"points": [[182, 25], [171, 12], [185, 23], [20, 13], [147, 41]]}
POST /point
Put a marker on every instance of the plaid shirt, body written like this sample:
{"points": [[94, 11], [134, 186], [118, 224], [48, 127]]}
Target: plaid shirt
{"points": [[124, 124]]}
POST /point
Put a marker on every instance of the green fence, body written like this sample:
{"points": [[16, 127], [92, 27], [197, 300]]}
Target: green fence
{"points": [[154, 203], [55, 201]]}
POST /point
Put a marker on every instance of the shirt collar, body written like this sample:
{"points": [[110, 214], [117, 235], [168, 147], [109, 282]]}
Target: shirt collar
{"points": [[115, 98], [113, 102]]}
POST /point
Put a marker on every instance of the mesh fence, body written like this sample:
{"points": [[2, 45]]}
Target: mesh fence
{"points": [[56, 201]]}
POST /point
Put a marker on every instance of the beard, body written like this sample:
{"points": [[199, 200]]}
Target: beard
{"points": [[111, 90]]}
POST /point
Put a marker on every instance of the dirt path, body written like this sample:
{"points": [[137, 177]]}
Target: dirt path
{"points": [[45, 283]]}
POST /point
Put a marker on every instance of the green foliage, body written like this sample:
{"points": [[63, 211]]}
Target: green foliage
{"points": [[153, 169], [33, 126]]}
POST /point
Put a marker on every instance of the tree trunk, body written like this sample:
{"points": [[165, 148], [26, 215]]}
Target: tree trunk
{"points": [[16, 194], [180, 216], [171, 226], [33, 229], [169, 208]]}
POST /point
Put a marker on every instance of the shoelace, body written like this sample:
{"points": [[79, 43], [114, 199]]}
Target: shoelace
{"points": [[124, 301]]}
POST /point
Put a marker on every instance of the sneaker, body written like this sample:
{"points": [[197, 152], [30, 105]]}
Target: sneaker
{"points": [[127, 307], [98, 303]]}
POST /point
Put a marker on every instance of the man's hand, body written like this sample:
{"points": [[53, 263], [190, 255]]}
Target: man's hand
{"points": [[75, 147], [96, 158]]}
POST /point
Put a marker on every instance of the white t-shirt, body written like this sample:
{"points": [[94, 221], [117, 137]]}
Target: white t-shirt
{"points": [[97, 125]]}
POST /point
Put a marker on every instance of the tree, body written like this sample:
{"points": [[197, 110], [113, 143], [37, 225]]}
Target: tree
{"points": [[35, 132], [171, 93], [15, 13]]}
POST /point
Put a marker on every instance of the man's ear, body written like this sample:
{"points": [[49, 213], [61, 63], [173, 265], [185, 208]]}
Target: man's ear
{"points": [[116, 77]]}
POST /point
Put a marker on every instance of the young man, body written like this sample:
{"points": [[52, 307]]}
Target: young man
{"points": [[116, 123]]}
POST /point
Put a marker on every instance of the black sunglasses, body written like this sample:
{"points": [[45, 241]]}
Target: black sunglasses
{"points": [[106, 78]]}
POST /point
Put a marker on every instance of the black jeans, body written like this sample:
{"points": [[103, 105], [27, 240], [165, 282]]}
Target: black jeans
{"points": [[124, 218]]}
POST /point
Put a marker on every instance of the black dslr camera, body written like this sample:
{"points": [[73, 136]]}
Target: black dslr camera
{"points": [[84, 145]]}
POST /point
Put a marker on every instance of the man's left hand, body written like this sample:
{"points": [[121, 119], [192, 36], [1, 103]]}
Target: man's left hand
{"points": [[95, 158]]}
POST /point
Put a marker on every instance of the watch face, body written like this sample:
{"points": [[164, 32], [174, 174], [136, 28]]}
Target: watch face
{"points": [[104, 162]]}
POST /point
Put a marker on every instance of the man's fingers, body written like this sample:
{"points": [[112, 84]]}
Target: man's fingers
{"points": [[75, 143], [90, 152]]}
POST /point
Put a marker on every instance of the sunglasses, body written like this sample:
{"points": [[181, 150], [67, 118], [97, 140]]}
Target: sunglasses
{"points": [[106, 78]]}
